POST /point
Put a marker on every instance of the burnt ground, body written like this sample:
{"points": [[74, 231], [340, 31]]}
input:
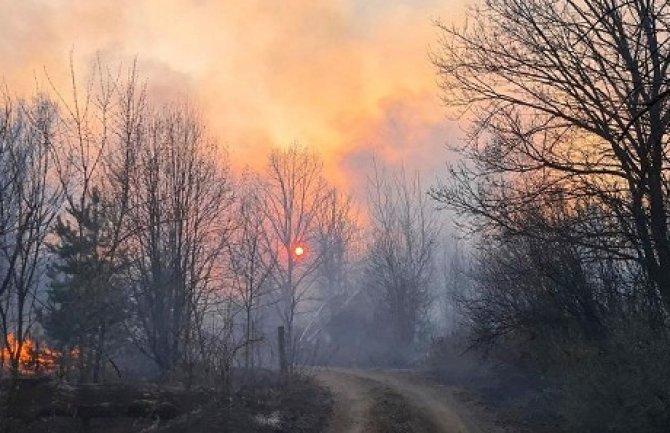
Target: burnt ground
{"points": [[300, 406], [506, 417], [508, 404], [272, 405]]}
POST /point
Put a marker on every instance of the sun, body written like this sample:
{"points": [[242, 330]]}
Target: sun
{"points": [[299, 251]]}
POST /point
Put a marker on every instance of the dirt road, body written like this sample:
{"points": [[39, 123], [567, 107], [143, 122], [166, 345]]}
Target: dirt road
{"points": [[380, 401]]}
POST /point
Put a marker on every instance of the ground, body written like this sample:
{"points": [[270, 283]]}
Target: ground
{"points": [[403, 401], [324, 400], [273, 404], [382, 401]]}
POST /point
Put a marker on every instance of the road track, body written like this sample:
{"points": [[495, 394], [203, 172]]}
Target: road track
{"points": [[357, 395]]}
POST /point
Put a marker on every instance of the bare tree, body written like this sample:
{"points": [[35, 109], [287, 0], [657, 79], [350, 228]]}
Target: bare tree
{"points": [[28, 206], [336, 230], [179, 192], [335, 242], [293, 199], [399, 263], [565, 181], [250, 260], [529, 288], [570, 100], [457, 279]]}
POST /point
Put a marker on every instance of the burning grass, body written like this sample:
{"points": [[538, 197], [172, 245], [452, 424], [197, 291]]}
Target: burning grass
{"points": [[31, 358]]}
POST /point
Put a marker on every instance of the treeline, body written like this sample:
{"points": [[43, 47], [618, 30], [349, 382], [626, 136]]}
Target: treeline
{"points": [[113, 214], [565, 181], [125, 235]]}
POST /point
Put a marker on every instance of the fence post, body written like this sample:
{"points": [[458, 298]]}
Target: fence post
{"points": [[281, 341]]}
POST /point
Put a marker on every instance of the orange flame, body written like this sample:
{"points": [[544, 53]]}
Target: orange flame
{"points": [[32, 359]]}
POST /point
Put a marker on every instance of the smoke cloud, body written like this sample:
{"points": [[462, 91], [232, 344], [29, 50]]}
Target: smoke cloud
{"points": [[349, 78]]}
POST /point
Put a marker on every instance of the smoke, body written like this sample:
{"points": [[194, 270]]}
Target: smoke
{"points": [[346, 77]]}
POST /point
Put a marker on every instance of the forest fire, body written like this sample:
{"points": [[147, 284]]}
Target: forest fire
{"points": [[33, 359]]}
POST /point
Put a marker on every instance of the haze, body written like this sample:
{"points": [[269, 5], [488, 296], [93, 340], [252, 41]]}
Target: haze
{"points": [[348, 216], [349, 78]]}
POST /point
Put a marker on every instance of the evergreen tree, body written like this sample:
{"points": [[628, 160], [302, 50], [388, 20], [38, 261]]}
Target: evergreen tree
{"points": [[85, 295]]}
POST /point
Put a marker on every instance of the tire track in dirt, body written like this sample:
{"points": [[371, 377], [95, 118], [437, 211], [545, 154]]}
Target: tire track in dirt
{"points": [[357, 392], [352, 401]]}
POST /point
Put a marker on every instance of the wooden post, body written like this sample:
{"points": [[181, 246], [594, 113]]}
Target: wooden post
{"points": [[281, 342]]}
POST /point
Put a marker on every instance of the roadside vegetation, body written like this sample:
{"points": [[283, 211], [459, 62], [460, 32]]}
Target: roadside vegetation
{"points": [[564, 185]]}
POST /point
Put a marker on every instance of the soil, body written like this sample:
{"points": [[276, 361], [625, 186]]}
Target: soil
{"points": [[382, 401]]}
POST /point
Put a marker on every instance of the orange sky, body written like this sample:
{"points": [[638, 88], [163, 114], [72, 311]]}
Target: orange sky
{"points": [[351, 78]]}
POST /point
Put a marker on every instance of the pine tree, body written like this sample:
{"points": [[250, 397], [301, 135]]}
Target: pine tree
{"points": [[85, 296]]}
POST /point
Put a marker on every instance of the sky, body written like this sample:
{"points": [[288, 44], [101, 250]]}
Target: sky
{"points": [[350, 78]]}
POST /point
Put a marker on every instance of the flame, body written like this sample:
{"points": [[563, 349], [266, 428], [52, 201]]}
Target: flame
{"points": [[32, 358]]}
